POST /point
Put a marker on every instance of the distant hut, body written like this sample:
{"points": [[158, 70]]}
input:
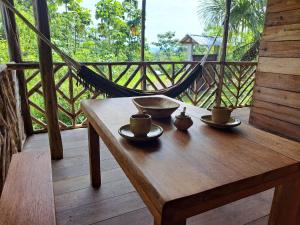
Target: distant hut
{"points": [[192, 40]]}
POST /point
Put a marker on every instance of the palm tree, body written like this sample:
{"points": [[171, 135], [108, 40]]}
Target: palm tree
{"points": [[247, 16]]}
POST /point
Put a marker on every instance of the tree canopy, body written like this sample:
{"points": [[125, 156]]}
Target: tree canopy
{"points": [[112, 32], [246, 22]]}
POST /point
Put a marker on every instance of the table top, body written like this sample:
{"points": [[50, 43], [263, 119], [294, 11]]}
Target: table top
{"points": [[202, 163]]}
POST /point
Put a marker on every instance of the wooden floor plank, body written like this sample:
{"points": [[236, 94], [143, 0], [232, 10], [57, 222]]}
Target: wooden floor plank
{"points": [[92, 213], [81, 182], [260, 221], [89, 195], [240, 212], [79, 169]]}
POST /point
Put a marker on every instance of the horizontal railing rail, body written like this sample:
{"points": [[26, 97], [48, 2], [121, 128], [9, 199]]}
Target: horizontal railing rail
{"points": [[237, 90]]}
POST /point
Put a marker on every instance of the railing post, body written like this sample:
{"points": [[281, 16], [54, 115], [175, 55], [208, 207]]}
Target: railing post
{"points": [[110, 73], [238, 87], [173, 74], [48, 83], [15, 55], [72, 100], [144, 74]]}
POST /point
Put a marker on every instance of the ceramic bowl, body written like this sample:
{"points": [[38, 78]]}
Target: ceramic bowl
{"points": [[157, 107]]}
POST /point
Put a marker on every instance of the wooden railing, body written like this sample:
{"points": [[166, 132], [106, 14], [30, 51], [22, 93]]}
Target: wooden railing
{"points": [[11, 132], [237, 91]]}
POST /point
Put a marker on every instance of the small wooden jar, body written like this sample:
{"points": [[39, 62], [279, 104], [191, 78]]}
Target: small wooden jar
{"points": [[183, 122]]}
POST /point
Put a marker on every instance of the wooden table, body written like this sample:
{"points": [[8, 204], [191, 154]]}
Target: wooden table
{"points": [[185, 174]]}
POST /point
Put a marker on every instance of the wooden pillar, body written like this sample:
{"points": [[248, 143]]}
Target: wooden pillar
{"points": [[15, 55], [46, 68], [223, 52], [143, 69]]}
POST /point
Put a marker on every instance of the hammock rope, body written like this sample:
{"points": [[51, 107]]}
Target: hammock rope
{"points": [[89, 78]]}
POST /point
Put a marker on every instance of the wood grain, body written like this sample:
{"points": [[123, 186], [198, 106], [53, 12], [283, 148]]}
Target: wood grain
{"points": [[276, 126], [282, 33], [279, 81], [283, 18], [279, 65], [282, 5], [280, 97], [27, 197], [280, 49], [168, 189], [277, 111]]}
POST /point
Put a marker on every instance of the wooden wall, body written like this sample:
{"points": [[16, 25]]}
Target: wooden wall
{"points": [[276, 106]]}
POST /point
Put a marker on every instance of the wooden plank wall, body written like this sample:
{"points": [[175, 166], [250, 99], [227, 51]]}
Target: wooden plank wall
{"points": [[276, 104]]}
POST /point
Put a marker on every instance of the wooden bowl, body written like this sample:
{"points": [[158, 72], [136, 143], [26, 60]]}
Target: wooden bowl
{"points": [[157, 107]]}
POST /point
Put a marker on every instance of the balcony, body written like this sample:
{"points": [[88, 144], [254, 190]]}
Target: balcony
{"points": [[228, 176], [117, 201]]}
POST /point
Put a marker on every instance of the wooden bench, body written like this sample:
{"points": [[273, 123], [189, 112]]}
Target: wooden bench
{"points": [[27, 197]]}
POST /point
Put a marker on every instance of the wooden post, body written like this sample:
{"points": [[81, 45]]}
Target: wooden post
{"points": [[223, 53], [143, 69], [15, 55], [46, 68]]}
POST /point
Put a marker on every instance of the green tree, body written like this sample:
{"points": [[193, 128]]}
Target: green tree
{"points": [[246, 21], [115, 37], [169, 46], [119, 25], [3, 44]]}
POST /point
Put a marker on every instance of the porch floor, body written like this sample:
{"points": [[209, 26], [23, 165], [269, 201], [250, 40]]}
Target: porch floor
{"points": [[116, 202]]}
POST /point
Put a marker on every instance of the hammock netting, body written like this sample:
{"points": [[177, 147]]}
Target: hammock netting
{"points": [[89, 79]]}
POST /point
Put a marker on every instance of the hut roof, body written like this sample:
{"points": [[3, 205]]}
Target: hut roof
{"points": [[200, 40]]}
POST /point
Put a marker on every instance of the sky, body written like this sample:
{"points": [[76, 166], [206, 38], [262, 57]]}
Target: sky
{"points": [[179, 16]]}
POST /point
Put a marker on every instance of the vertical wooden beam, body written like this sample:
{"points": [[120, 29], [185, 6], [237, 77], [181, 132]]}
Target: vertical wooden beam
{"points": [[15, 55], [46, 68], [143, 68], [223, 52]]}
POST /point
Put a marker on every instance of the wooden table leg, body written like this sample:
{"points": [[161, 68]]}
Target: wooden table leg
{"points": [[169, 220], [286, 204], [94, 157]]}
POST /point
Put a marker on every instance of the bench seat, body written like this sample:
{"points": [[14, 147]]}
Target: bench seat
{"points": [[27, 197]]}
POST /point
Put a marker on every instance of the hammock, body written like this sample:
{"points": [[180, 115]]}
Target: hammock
{"points": [[89, 78]]}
